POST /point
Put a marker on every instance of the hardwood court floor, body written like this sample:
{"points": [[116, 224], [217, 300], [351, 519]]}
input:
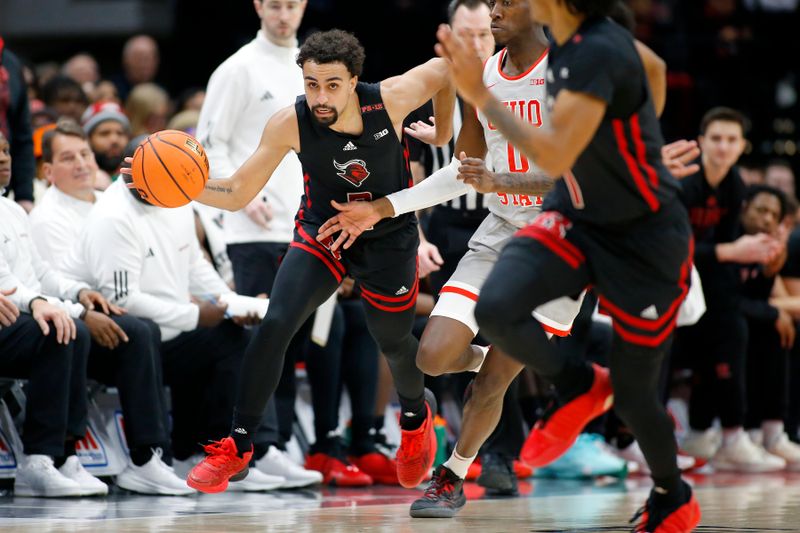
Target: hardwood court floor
{"points": [[730, 503]]}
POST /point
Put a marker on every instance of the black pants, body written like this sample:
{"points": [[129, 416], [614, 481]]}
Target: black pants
{"points": [[255, 265], [56, 390], [715, 349], [386, 271], [554, 257], [134, 367], [202, 368], [767, 375]]}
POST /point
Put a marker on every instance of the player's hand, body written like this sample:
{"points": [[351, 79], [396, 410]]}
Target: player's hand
{"points": [[126, 169], [429, 258], [104, 331], [259, 212], [93, 300], [8, 311], [678, 157], [473, 172], [760, 248], [423, 131], [354, 219], [466, 67], [786, 329], [44, 312], [211, 314], [250, 319]]}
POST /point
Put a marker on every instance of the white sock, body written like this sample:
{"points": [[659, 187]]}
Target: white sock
{"points": [[459, 465], [485, 350], [731, 435], [773, 429]]}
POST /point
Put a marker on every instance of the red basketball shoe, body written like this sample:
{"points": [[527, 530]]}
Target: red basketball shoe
{"points": [[417, 448], [337, 472], [379, 467], [659, 519], [222, 464], [552, 436]]}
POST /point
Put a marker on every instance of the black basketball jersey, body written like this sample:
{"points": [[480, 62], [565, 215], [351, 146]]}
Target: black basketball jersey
{"points": [[346, 168], [619, 177]]}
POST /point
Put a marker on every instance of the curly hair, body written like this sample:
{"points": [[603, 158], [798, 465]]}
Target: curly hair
{"points": [[590, 8], [333, 46]]}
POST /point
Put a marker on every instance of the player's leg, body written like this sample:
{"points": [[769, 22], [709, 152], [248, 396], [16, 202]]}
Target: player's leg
{"points": [[305, 280]]}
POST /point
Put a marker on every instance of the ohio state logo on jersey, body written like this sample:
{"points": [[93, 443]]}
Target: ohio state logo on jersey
{"points": [[355, 171]]}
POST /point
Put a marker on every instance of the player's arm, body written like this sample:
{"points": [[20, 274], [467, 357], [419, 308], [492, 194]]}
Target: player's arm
{"points": [[280, 135], [407, 92], [656, 70], [554, 147]]}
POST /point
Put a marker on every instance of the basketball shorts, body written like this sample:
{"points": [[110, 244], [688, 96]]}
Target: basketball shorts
{"points": [[459, 295], [641, 271]]}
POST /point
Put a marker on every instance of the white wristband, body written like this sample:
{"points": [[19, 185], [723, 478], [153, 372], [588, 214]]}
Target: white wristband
{"points": [[441, 186]]}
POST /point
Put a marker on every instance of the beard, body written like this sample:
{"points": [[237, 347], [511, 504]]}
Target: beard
{"points": [[325, 121], [109, 163]]}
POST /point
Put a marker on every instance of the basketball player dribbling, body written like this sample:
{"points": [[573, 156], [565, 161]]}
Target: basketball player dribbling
{"points": [[347, 136], [516, 76], [613, 220]]}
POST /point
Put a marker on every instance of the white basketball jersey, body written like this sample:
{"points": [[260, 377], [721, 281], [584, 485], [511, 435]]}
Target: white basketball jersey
{"points": [[525, 96]]}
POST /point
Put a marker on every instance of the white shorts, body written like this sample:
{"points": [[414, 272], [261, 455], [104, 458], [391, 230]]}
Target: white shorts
{"points": [[459, 295]]}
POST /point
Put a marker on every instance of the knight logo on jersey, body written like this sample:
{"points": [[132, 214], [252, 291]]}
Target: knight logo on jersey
{"points": [[355, 171]]}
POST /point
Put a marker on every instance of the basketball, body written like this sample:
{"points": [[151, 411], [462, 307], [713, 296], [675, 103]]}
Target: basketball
{"points": [[170, 168]]}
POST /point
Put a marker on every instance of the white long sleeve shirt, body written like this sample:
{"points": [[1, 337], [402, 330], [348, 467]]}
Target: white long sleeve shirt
{"points": [[145, 259], [243, 93], [22, 267], [56, 223]]}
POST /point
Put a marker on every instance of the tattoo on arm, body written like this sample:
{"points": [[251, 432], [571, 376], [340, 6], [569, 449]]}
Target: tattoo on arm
{"points": [[516, 183], [512, 128], [220, 188]]}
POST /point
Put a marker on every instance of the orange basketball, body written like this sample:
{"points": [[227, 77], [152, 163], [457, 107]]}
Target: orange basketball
{"points": [[170, 168]]}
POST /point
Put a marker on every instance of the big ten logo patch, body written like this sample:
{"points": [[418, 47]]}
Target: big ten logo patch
{"points": [[90, 449], [119, 425], [7, 459]]}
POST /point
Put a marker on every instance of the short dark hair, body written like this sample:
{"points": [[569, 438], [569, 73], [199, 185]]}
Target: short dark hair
{"points": [[778, 162], [724, 114], [755, 190], [61, 83], [623, 15], [333, 46], [65, 126], [590, 8], [472, 5]]}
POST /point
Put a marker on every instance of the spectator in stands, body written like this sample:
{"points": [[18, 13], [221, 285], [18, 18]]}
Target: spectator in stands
{"points": [[45, 345], [66, 97], [15, 125], [125, 351], [148, 261], [83, 68], [771, 332], [140, 60], [191, 99], [715, 347], [106, 91], [779, 174], [108, 130], [147, 107]]}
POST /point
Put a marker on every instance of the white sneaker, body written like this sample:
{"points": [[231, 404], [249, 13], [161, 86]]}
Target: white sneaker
{"points": [[741, 455], [702, 444], [38, 477], [257, 481], [788, 451], [634, 456], [90, 485], [277, 463], [153, 477], [182, 468]]}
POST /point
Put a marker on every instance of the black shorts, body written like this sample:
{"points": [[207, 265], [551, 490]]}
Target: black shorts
{"points": [[641, 272], [385, 267]]}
